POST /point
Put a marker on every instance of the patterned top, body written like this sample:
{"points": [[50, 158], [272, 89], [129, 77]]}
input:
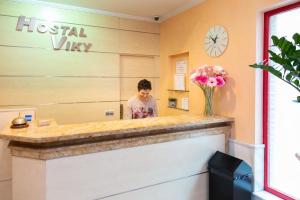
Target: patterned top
{"points": [[140, 109]]}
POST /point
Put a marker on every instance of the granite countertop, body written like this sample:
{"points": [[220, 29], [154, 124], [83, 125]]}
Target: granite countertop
{"points": [[109, 129]]}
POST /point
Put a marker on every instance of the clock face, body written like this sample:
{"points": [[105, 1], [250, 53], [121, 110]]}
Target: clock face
{"points": [[216, 41]]}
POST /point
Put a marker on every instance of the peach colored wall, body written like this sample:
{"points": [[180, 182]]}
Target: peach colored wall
{"points": [[185, 33]]}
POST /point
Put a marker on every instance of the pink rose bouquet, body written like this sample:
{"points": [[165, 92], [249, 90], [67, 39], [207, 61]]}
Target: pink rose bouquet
{"points": [[208, 78]]}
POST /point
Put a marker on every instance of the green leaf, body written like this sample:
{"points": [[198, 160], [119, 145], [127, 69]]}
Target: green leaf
{"points": [[281, 61], [270, 69], [288, 67], [275, 72], [298, 99], [295, 55], [287, 61], [289, 77], [295, 74], [285, 46], [291, 49], [280, 42], [276, 58], [254, 66], [275, 40], [260, 66], [296, 38], [296, 82]]}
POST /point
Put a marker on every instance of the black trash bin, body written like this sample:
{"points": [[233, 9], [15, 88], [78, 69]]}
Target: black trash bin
{"points": [[229, 178]]}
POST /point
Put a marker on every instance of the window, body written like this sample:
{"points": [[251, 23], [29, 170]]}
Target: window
{"points": [[281, 114]]}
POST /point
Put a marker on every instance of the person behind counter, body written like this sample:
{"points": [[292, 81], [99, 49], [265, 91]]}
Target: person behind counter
{"points": [[141, 105]]}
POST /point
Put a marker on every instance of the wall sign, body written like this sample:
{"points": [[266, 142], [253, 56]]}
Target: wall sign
{"points": [[181, 67], [59, 34]]}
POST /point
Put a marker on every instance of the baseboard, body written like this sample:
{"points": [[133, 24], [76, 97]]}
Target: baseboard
{"points": [[253, 154]]}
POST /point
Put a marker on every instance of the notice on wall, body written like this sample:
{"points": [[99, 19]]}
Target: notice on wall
{"points": [[179, 82], [181, 67], [185, 103]]}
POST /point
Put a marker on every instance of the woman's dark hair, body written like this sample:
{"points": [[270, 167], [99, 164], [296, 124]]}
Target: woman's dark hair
{"points": [[144, 85]]}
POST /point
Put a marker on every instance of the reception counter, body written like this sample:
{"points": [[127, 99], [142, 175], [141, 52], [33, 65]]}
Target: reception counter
{"points": [[155, 158]]}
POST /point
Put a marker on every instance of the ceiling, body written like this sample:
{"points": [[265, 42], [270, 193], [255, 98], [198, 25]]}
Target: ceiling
{"points": [[141, 9]]}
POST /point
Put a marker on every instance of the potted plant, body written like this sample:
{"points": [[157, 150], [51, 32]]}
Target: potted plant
{"points": [[287, 61]]}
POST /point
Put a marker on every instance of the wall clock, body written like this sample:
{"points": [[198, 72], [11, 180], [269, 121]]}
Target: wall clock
{"points": [[216, 41]]}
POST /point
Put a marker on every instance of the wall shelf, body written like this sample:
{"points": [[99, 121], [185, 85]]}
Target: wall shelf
{"points": [[178, 108], [178, 90], [178, 85]]}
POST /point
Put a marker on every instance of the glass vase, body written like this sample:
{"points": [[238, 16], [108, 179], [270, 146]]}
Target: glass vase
{"points": [[208, 107]]}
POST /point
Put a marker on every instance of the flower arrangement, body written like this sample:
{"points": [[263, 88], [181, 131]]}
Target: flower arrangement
{"points": [[208, 78]]}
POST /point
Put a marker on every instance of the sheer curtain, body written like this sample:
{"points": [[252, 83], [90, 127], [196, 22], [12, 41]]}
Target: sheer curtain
{"points": [[284, 118]]}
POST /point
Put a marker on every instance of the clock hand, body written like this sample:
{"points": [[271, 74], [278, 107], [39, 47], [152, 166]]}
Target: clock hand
{"points": [[213, 39]]}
